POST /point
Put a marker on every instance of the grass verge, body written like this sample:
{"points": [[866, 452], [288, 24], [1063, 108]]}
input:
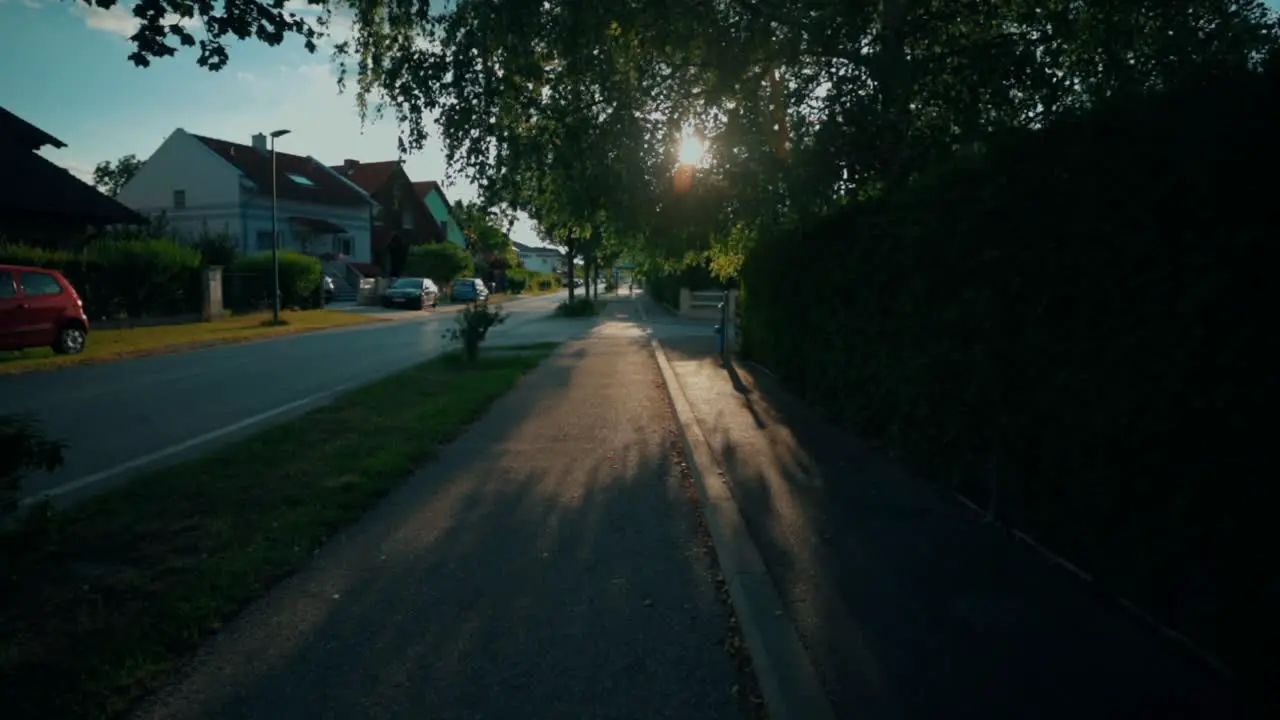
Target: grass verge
{"points": [[97, 609], [111, 345]]}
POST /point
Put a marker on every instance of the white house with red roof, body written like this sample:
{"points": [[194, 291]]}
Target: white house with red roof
{"points": [[204, 185]]}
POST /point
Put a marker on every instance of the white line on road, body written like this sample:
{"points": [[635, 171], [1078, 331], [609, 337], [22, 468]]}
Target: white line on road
{"points": [[180, 447]]}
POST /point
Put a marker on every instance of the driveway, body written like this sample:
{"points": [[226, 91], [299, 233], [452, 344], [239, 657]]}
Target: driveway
{"points": [[123, 417]]}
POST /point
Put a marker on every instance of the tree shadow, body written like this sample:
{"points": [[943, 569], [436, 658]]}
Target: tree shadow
{"points": [[545, 565], [909, 605]]}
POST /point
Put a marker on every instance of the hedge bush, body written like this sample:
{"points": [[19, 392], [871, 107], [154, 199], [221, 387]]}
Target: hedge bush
{"points": [[144, 277], [521, 280], [442, 263], [248, 282], [1080, 320]]}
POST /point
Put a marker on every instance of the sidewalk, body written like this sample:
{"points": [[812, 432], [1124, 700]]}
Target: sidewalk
{"points": [[546, 565], [910, 607]]}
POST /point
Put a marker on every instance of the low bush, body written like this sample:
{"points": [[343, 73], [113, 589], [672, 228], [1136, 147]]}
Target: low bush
{"points": [[521, 280], [473, 324], [24, 448], [248, 282], [579, 307]]}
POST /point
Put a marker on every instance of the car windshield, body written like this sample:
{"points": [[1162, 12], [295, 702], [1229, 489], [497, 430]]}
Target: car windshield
{"points": [[408, 284]]}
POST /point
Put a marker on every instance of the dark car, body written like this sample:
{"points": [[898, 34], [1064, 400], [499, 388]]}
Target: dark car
{"points": [[468, 290], [39, 308], [409, 292]]}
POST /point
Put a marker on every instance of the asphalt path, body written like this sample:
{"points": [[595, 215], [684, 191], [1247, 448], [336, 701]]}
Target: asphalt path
{"points": [[125, 417]]}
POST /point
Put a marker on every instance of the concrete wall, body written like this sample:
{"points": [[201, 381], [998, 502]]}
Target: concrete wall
{"points": [[210, 185]]}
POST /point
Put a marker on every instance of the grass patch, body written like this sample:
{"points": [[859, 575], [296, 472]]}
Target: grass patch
{"points": [[546, 345], [125, 585], [111, 345]]}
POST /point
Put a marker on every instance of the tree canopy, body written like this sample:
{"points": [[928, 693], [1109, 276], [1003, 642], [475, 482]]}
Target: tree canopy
{"points": [[110, 176], [572, 111]]}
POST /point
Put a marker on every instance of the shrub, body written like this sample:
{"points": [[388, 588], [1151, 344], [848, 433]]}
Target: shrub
{"points": [[217, 250], [115, 277], [24, 447], [579, 307], [249, 281], [520, 280], [442, 263], [473, 325]]}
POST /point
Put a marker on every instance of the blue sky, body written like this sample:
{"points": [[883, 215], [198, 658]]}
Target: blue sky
{"points": [[65, 69]]}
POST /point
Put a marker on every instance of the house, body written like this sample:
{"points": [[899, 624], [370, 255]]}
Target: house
{"points": [[433, 195], [402, 221], [42, 203], [539, 259], [204, 185]]}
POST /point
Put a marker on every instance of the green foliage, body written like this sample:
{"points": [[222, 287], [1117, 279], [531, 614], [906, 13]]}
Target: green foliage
{"points": [[442, 262], [473, 324], [219, 250], [1081, 313], [143, 277], [579, 307], [24, 448], [521, 280], [111, 176], [248, 285]]}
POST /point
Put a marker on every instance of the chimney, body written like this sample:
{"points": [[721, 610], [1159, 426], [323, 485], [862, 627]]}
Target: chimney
{"points": [[260, 142], [350, 164]]}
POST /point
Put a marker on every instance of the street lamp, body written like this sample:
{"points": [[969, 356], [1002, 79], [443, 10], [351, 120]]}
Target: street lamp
{"points": [[275, 235]]}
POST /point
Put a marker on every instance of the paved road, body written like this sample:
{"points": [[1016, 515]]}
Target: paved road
{"points": [[546, 565], [118, 417]]}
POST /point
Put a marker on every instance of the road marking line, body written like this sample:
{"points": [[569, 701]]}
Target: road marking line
{"points": [[185, 445]]}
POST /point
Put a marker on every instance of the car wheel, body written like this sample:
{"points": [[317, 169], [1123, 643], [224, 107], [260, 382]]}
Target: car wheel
{"points": [[70, 341]]}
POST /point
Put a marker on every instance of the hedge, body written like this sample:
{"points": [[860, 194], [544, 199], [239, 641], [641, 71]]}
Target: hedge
{"points": [[520, 280], [248, 281], [123, 277], [442, 262], [1080, 321]]}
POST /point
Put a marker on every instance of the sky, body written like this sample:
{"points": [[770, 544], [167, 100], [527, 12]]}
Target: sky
{"points": [[64, 67]]}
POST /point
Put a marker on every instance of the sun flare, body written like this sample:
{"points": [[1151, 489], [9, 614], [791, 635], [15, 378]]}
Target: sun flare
{"points": [[691, 148]]}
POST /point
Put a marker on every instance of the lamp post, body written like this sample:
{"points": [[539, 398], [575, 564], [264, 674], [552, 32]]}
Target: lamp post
{"points": [[275, 235]]}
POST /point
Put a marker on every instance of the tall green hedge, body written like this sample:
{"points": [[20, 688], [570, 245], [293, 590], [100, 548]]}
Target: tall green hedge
{"points": [[143, 277], [441, 262], [247, 282], [1082, 319], [521, 280]]}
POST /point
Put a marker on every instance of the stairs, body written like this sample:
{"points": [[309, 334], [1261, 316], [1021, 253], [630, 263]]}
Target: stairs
{"points": [[344, 295]]}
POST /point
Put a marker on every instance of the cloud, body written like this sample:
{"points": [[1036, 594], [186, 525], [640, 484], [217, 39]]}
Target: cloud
{"points": [[119, 20]]}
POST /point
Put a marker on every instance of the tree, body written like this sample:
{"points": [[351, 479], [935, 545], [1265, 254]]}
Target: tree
{"points": [[109, 176]]}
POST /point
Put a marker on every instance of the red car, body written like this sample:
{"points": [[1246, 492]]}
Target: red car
{"points": [[39, 308]]}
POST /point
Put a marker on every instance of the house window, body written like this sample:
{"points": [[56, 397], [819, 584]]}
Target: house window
{"points": [[444, 228], [300, 179], [179, 199], [344, 244], [406, 219], [264, 239]]}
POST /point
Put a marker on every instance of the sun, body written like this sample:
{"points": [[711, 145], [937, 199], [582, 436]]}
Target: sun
{"points": [[691, 148]]}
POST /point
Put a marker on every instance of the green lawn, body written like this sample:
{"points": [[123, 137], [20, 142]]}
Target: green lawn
{"points": [[96, 611], [110, 345]]}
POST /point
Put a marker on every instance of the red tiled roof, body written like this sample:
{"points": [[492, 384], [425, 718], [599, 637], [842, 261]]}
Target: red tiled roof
{"points": [[325, 188], [369, 177]]}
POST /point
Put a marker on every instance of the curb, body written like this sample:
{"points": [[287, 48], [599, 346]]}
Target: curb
{"points": [[787, 678]]}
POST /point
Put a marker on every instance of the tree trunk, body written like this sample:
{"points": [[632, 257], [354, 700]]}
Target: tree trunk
{"points": [[570, 256]]}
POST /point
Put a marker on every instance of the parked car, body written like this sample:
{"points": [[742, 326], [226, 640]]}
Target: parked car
{"points": [[468, 290], [416, 293], [328, 289], [39, 308]]}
